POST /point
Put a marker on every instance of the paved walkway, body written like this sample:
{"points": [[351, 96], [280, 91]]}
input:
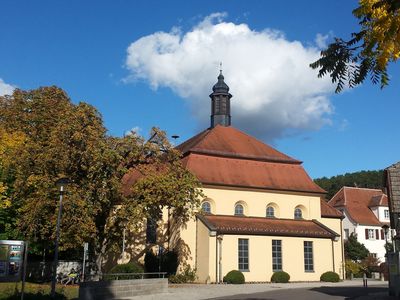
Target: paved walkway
{"points": [[203, 291]]}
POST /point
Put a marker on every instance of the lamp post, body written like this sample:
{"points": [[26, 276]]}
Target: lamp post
{"points": [[386, 230], [61, 183]]}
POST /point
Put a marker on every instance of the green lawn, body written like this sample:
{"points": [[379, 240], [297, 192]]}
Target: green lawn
{"points": [[33, 291]]}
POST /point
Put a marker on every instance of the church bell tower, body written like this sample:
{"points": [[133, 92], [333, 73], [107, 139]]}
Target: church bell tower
{"points": [[220, 103]]}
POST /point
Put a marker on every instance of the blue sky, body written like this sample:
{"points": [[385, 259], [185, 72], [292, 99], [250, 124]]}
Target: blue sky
{"points": [[153, 63]]}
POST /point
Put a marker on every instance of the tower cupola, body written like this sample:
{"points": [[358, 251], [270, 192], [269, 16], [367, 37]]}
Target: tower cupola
{"points": [[220, 103]]}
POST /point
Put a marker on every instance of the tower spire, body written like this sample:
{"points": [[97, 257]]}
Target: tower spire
{"points": [[220, 102]]}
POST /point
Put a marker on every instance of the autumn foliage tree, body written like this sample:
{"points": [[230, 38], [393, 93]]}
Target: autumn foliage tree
{"points": [[369, 51], [44, 136], [60, 139]]}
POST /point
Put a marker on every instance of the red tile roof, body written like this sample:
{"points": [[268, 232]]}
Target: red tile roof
{"points": [[216, 170], [379, 200], [231, 142], [227, 156], [328, 211], [266, 226], [357, 201]]}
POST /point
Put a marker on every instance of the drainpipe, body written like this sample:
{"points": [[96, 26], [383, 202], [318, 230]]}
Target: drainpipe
{"points": [[342, 250], [219, 239], [216, 260], [333, 255]]}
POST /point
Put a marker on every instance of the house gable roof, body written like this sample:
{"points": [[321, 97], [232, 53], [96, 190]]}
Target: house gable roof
{"points": [[328, 211], [357, 203]]}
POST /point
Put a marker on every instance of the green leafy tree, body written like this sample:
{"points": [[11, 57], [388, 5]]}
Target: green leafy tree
{"points": [[362, 179], [369, 51], [354, 250]]}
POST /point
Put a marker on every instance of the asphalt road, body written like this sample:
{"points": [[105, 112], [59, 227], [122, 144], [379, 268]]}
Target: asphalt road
{"points": [[317, 293]]}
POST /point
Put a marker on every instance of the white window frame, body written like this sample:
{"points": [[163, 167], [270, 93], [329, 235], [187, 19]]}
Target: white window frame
{"points": [[371, 234], [386, 214]]}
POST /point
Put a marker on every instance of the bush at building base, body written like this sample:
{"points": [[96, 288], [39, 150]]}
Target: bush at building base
{"points": [[128, 268], [280, 277], [188, 275], [234, 277], [330, 277]]}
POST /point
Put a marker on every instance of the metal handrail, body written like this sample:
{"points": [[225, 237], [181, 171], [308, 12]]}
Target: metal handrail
{"points": [[135, 275]]}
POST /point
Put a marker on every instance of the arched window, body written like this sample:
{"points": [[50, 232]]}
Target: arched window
{"points": [[298, 214], [270, 212], [239, 210], [206, 207]]}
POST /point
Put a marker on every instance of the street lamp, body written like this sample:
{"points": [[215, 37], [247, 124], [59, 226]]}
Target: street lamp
{"points": [[386, 230], [60, 183]]}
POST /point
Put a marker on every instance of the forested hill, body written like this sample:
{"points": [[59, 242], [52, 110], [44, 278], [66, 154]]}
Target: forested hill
{"points": [[362, 179]]}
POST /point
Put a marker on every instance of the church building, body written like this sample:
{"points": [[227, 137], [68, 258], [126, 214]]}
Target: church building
{"points": [[262, 212]]}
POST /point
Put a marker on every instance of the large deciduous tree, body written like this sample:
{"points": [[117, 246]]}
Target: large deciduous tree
{"points": [[44, 136], [60, 139], [369, 51]]}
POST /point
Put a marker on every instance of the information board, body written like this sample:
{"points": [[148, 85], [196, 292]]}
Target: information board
{"points": [[11, 260]]}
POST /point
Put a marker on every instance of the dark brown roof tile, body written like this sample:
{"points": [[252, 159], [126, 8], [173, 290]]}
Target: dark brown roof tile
{"points": [[266, 226]]}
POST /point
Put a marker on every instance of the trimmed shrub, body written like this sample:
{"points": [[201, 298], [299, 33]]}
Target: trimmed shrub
{"points": [[330, 277], [280, 277], [188, 275], [127, 268], [234, 277]]}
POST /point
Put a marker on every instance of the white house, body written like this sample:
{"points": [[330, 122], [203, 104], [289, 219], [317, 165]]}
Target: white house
{"points": [[365, 212]]}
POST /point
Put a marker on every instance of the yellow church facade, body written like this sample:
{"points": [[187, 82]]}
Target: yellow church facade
{"points": [[262, 212]]}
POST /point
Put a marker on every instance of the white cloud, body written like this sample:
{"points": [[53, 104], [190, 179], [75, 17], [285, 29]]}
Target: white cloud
{"points": [[275, 91], [5, 88], [133, 131], [321, 40]]}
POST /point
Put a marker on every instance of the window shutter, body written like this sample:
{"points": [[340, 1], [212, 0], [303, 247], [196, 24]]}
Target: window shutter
{"points": [[382, 235], [377, 234], [366, 234]]}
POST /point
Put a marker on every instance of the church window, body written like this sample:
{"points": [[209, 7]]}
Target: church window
{"points": [[206, 207], [243, 255], [276, 255], [298, 214], [239, 210], [308, 256], [270, 212]]}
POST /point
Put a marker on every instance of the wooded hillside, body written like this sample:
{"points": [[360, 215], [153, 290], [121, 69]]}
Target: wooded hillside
{"points": [[362, 179]]}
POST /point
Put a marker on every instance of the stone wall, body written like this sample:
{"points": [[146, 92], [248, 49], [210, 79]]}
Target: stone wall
{"points": [[117, 289]]}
